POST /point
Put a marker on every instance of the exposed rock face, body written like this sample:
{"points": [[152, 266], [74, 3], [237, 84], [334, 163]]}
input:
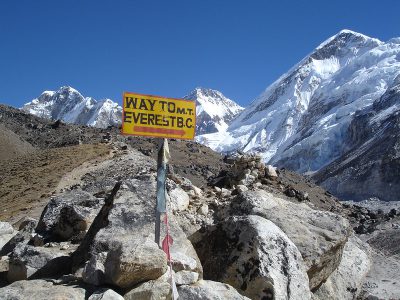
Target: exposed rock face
{"points": [[253, 255], [320, 236], [372, 162], [209, 290], [346, 281], [39, 290]]}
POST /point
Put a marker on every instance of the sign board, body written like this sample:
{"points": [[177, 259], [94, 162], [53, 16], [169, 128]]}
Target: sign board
{"points": [[156, 116]]}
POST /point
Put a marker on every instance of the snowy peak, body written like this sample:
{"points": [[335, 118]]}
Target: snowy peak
{"points": [[302, 119], [69, 105], [214, 111]]}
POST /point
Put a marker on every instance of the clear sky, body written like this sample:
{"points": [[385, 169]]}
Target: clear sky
{"points": [[167, 47]]}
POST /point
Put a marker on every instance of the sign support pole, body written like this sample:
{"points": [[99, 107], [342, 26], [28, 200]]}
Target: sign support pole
{"points": [[161, 207]]}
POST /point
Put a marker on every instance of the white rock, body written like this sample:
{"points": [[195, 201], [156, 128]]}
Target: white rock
{"points": [[203, 209], [346, 281], [186, 277], [256, 258], [7, 232], [241, 188], [179, 199], [270, 171], [319, 235]]}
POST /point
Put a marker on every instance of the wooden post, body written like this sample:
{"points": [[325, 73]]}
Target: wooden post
{"points": [[161, 207]]}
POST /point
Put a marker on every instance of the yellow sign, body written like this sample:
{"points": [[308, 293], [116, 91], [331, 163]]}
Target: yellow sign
{"points": [[155, 116]]}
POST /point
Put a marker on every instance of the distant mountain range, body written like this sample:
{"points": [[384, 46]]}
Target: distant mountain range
{"points": [[334, 115], [214, 110]]}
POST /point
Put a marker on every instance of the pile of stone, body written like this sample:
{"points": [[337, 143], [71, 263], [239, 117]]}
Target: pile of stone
{"points": [[97, 241]]}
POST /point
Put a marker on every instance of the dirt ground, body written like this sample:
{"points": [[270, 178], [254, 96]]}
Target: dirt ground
{"points": [[27, 181]]}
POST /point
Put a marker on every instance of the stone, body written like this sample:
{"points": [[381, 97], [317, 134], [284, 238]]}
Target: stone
{"points": [[302, 196], [27, 262], [209, 290], [186, 277], [41, 289], [124, 252], [105, 294], [270, 171], [7, 232], [203, 209], [179, 199], [241, 188], [225, 192], [4, 264], [27, 222], [256, 257], [68, 216], [346, 281], [159, 289], [181, 261], [319, 235]]}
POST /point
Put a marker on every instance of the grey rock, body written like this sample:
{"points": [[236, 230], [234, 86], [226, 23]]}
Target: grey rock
{"points": [[346, 281], [124, 252], [7, 232], [159, 289], [39, 290], [186, 277], [319, 235], [105, 294], [256, 257], [179, 199], [209, 290], [36, 262], [68, 215]]}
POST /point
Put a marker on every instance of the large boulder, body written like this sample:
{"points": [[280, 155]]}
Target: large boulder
{"points": [[124, 253], [319, 235], [39, 290], [346, 281], [68, 216], [27, 261], [209, 290], [256, 257]]}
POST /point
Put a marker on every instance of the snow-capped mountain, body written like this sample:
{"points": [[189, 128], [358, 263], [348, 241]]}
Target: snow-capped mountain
{"points": [[69, 105], [214, 111], [303, 120]]}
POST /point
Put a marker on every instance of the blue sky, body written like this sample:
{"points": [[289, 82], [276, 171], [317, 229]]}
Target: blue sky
{"points": [[167, 48]]}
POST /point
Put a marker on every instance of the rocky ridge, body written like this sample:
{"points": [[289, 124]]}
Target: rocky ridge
{"points": [[240, 230]]}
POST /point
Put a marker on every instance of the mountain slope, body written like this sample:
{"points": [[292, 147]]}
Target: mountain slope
{"points": [[302, 121], [214, 111]]}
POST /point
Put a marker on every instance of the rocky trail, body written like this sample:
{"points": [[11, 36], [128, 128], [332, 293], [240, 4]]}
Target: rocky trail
{"points": [[78, 223]]}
